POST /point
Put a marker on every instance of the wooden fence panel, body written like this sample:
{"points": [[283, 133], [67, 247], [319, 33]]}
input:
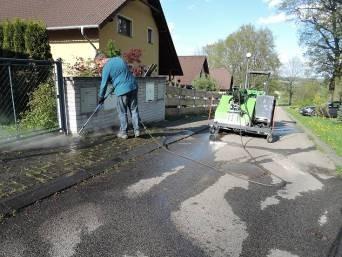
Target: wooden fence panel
{"points": [[182, 101], [172, 111], [172, 90], [174, 101], [187, 102]]}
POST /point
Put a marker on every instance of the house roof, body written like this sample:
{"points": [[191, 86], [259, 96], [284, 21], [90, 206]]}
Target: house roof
{"points": [[66, 14], [61, 13], [222, 77], [192, 67]]}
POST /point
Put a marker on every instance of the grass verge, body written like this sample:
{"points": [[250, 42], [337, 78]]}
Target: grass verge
{"points": [[339, 171], [328, 130]]}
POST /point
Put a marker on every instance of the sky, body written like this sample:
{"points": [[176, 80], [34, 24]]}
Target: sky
{"points": [[196, 23]]}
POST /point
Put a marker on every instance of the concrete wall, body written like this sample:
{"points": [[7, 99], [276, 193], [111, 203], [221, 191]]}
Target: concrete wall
{"points": [[81, 99]]}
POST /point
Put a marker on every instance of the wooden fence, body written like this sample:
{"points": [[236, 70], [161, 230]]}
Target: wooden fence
{"points": [[182, 101]]}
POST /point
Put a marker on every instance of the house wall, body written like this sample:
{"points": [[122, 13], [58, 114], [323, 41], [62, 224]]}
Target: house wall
{"points": [[69, 51], [142, 19], [81, 100], [69, 44]]}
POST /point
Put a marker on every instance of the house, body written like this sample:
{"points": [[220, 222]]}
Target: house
{"points": [[223, 78], [193, 67], [129, 23]]}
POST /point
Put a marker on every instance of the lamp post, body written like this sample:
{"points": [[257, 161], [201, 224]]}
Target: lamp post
{"points": [[248, 55]]}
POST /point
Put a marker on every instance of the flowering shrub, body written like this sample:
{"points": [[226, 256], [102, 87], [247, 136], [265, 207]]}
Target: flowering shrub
{"points": [[132, 57], [83, 68]]}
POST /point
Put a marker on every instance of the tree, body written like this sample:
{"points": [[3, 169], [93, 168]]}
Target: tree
{"points": [[321, 33], [7, 44], [205, 83], [24, 39], [1, 38], [18, 38], [36, 41], [231, 52], [308, 91], [112, 50], [292, 71]]}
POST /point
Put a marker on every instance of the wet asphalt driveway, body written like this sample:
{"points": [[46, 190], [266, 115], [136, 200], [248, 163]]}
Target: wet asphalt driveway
{"points": [[162, 205]]}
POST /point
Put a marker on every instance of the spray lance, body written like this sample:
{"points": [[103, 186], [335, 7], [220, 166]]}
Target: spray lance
{"points": [[98, 107]]}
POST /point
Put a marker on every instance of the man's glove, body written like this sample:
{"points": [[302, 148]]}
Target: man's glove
{"points": [[101, 100]]}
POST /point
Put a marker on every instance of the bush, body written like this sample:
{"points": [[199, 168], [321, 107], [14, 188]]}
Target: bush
{"points": [[24, 39], [132, 57], [36, 41], [42, 109], [1, 38], [83, 68], [18, 38], [339, 114], [112, 50], [7, 41], [205, 83]]}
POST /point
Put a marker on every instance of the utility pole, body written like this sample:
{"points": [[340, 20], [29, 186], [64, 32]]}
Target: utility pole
{"points": [[248, 55]]}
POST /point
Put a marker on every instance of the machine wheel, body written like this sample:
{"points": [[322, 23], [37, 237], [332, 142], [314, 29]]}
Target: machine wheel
{"points": [[213, 130], [269, 138]]}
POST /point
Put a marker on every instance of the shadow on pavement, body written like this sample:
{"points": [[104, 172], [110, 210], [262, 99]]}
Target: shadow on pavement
{"points": [[336, 247]]}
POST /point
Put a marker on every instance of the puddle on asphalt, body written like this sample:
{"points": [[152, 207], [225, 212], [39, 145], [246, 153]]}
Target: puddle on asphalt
{"points": [[209, 220], [138, 254], [279, 253], [145, 185], [216, 145], [323, 219], [300, 181], [64, 231]]}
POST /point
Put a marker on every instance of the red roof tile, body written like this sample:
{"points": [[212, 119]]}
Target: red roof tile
{"points": [[59, 13], [222, 77], [192, 67]]}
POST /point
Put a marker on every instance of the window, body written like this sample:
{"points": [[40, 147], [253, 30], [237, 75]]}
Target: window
{"points": [[124, 26], [149, 36]]}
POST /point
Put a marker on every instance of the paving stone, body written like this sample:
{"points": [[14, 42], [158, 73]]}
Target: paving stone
{"points": [[34, 170]]}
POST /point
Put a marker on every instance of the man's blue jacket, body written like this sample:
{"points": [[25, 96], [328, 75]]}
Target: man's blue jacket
{"points": [[121, 77]]}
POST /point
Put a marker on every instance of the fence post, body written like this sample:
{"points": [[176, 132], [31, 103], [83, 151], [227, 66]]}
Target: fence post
{"points": [[211, 106], [61, 96], [12, 96]]}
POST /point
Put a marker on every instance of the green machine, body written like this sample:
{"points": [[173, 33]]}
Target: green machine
{"points": [[246, 110]]}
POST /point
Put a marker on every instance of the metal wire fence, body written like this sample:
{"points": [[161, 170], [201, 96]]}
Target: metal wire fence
{"points": [[30, 101]]}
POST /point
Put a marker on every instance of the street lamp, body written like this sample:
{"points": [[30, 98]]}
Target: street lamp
{"points": [[248, 55]]}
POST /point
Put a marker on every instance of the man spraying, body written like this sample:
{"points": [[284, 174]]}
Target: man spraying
{"points": [[125, 88]]}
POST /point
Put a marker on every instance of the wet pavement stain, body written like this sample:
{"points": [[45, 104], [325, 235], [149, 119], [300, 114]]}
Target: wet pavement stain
{"points": [[26, 168]]}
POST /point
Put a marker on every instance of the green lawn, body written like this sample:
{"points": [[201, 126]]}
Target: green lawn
{"points": [[328, 130], [10, 131], [7, 130], [339, 171]]}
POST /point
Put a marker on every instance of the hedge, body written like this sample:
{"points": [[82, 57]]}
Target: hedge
{"points": [[24, 39]]}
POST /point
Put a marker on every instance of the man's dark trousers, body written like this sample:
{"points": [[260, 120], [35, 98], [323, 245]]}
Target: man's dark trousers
{"points": [[126, 102]]}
